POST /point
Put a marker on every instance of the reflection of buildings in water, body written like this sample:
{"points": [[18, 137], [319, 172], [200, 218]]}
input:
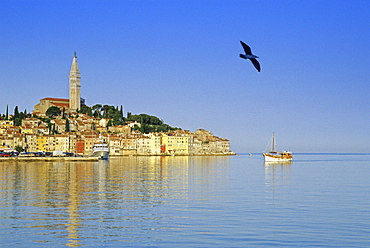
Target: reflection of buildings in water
{"points": [[166, 176], [63, 194], [71, 179], [52, 194], [207, 172], [148, 176], [74, 203]]}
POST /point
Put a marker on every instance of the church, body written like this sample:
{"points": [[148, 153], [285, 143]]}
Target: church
{"points": [[69, 105]]}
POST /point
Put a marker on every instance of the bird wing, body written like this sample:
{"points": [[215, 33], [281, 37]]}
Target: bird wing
{"points": [[256, 64], [246, 48]]}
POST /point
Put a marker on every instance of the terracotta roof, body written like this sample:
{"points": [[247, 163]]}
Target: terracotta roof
{"points": [[55, 99], [60, 104]]}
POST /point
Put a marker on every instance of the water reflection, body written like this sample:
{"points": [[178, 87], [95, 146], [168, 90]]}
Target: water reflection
{"points": [[70, 202], [277, 176]]}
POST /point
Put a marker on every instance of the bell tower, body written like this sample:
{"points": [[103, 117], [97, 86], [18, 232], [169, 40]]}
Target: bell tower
{"points": [[74, 86]]}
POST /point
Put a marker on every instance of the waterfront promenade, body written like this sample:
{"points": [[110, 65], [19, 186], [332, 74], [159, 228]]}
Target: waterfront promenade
{"points": [[48, 159]]}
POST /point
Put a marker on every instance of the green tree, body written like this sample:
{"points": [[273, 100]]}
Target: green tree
{"points": [[96, 110], [121, 112], [105, 110], [16, 112], [144, 118], [16, 117], [19, 149], [54, 131], [50, 126], [110, 123], [53, 111], [86, 110], [64, 116], [23, 115], [17, 121], [67, 126], [7, 113]]}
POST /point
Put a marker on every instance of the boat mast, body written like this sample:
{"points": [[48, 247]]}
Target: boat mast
{"points": [[273, 142]]}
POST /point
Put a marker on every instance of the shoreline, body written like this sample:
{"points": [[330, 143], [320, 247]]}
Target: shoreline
{"points": [[53, 159], [180, 154], [47, 159]]}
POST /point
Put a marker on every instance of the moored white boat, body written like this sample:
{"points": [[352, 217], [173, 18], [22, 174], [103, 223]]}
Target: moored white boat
{"points": [[101, 149], [277, 156]]}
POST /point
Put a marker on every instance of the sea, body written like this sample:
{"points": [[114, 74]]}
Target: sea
{"points": [[318, 200]]}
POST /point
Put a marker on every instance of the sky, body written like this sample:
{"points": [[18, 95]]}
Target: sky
{"points": [[179, 60]]}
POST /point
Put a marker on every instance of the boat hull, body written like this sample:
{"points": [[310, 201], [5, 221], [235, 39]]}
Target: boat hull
{"points": [[277, 157], [101, 154]]}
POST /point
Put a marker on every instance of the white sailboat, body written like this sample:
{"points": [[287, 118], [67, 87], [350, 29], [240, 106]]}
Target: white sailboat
{"points": [[277, 156]]}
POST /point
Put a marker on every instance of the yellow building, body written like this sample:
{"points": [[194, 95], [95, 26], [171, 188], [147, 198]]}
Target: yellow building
{"points": [[173, 143], [41, 143], [154, 143], [4, 124], [26, 129], [48, 102]]}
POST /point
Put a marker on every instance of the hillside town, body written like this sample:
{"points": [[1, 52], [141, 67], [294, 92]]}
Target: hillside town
{"points": [[34, 135], [70, 126]]}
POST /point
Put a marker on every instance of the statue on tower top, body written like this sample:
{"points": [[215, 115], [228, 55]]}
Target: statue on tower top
{"points": [[75, 55]]}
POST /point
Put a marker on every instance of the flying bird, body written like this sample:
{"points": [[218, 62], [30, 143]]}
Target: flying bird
{"points": [[248, 55]]}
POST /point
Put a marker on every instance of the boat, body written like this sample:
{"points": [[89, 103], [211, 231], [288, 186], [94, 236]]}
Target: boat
{"points": [[277, 156], [101, 149]]}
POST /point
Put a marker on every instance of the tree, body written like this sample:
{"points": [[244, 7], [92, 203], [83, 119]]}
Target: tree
{"points": [[53, 111], [16, 112], [96, 110], [110, 123], [144, 118], [17, 121], [108, 111], [19, 149], [16, 117], [67, 126], [64, 116], [50, 126], [7, 113], [121, 112], [86, 110]]}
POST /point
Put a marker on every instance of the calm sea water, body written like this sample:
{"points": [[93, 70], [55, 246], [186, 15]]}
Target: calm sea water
{"points": [[318, 200]]}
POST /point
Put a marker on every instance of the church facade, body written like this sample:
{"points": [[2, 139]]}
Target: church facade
{"points": [[73, 103]]}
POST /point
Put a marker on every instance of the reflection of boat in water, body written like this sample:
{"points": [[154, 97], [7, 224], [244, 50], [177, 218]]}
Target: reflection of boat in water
{"points": [[101, 149], [277, 156]]}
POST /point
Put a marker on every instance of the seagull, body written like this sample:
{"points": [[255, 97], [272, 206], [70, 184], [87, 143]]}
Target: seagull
{"points": [[248, 55]]}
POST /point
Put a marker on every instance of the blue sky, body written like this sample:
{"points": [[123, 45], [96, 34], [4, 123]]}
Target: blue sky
{"points": [[179, 60]]}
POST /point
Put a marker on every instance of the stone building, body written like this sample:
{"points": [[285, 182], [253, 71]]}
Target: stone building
{"points": [[74, 86]]}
